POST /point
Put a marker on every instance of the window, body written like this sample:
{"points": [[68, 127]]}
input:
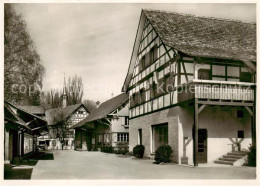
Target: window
{"points": [[122, 137], [204, 74], [142, 95], [153, 54], [232, 71], [80, 112], [153, 90], [135, 98], [126, 121], [140, 140], [218, 70], [245, 77], [160, 135], [240, 114], [240, 134], [28, 143]]}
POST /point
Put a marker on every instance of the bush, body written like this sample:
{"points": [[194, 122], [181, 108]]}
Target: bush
{"points": [[163, 154], [122, 148], [107, 149], [251, 158], [138, 151]]}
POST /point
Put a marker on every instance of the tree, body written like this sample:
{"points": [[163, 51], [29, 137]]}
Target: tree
{"points": [[51, 98], [90, 105], [61, 126], [74, 90], [23, 72]]}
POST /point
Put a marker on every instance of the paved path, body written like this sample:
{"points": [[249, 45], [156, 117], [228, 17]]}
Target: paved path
{"points": [[69, 164]]}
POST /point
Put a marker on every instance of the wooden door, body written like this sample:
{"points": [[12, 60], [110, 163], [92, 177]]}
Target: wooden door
{"points": [[202, 145]]}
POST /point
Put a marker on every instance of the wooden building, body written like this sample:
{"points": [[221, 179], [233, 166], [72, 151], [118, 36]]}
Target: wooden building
{"points": [[21, 129], [60, 120], [107, 125], [191, 84]]}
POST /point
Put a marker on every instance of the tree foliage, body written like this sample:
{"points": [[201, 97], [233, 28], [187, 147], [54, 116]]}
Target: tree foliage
{"points": [[61, 126], [74, 90], [90, 105], [51, 98], [22, 66]]}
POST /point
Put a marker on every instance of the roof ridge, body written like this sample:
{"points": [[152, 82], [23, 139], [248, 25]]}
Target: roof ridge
{"points": [[199, 16]]}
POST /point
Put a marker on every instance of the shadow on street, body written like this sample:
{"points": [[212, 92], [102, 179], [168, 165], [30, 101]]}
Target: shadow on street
{"points": [[23, 170]]}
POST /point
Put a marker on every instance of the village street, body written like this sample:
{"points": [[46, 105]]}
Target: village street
{"points": [[69, 164]]}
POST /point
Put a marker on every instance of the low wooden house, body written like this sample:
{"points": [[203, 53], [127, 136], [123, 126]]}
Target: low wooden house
{"points": [[191, 85], [60, 120], [21, 129], [107, 125]]}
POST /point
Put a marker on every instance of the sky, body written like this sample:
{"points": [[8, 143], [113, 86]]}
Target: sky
{"points": [[95, 41]]}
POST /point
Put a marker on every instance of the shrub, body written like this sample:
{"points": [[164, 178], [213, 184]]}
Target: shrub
{"points": [[138, 151], [122, 148], [163, 154], [251, 158], [107, 149]]}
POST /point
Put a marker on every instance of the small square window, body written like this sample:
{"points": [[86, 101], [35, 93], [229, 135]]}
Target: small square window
{"points": [[240, 114], [240, 134]]}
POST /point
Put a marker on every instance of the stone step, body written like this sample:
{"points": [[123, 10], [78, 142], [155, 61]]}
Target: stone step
{"points": [[228, 159], [235, 154], [223, 162], [232, 156], [239, 152]]}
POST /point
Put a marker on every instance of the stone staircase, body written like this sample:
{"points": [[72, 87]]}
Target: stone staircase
{"points": [[235, 158]]}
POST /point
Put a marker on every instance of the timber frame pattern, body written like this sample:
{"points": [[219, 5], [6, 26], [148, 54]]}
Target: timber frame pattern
{"points": [[170, 66]]}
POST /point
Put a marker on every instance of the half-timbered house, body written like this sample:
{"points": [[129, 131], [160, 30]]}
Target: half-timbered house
{"points": [[107, 125], [191, 82], [60, 120]]}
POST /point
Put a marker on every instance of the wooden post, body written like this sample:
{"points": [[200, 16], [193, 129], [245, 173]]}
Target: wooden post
{"points": [[253, 118], [6, 153], [196, 125]]}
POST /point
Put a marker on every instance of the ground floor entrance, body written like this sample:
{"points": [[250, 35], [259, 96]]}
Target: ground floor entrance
{"points": [[202, 146]]}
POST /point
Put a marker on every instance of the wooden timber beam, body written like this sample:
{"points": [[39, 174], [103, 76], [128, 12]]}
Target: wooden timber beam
{"points": [[183, 66], [249, 110], [195, 136], [28, 123], [225, 103], [104, 122], [201, 108], [251, 65]]}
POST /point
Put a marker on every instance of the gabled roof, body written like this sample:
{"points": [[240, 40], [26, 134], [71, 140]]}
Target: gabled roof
{"points": [[33, 123], [67, 111], [33, 109], [104, 109], [204, 36], [199, 37]]}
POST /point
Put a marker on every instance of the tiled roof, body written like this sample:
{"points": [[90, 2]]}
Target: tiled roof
{"points": [[205, 37], [34, 109], [104, 109], [51, 114]]}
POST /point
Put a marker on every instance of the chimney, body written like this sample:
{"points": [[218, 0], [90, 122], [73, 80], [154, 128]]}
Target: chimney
{"points": [[64, 96], [97, 104]]}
